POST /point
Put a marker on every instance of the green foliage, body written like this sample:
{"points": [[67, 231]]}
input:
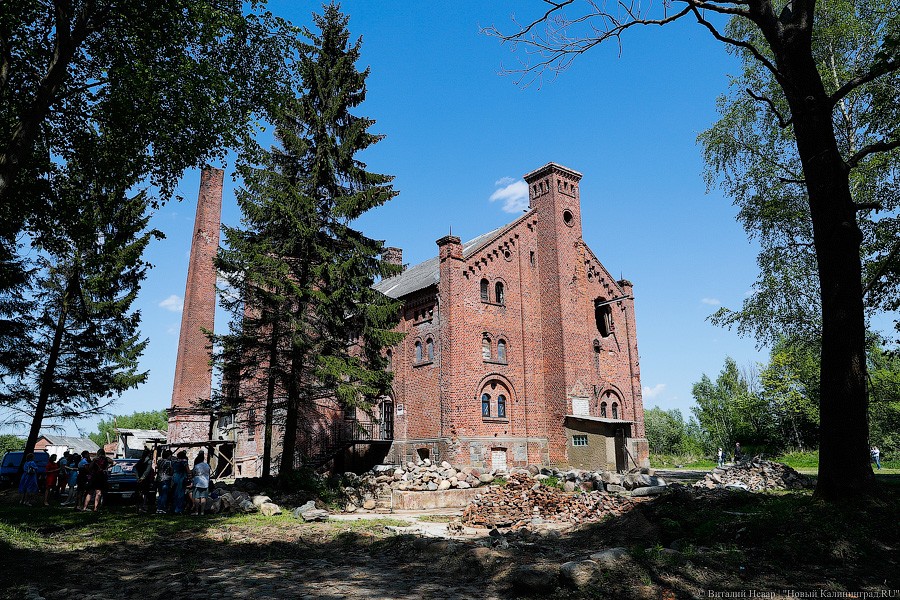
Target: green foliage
{"points": [[151, 419], [884, 402], [790, 384], [756, 161], [667, 432], [688, 461], [10, 442], [307, 323]]}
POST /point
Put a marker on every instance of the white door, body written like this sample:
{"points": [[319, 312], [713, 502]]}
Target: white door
{"points": [[498, 460]]}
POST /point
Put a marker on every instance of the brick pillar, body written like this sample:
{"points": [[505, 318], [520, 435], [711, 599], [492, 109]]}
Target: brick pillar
{"points": [[188, 422], [450, 305], [642, 446], [393, 256], [554, 197]]}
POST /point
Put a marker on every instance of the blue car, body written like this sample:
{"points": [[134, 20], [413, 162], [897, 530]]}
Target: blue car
{"points": [[12, 460]]}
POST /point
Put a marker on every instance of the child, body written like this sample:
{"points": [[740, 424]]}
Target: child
{"points": [[28, 485]]}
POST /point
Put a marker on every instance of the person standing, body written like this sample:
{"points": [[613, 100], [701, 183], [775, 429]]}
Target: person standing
{"points": [[201, 473], [96, 484], [720, 457], [737, 452], [50, 482], [144, 470], [72, 476], [28, 485], [163, 481], [179, 479], [82, 478], [876, 456]]}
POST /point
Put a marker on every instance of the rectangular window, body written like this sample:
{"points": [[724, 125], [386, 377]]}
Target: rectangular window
{"points": [[501, 406], [579, 440], [485, 405]]}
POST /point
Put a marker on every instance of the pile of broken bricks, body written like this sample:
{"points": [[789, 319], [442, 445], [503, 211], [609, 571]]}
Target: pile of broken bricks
{"points": [[755, 475], [525, 501]]}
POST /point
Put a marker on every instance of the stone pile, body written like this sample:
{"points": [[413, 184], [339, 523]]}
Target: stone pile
{"points": [[525, 501], [229, 498], [755, 475]]}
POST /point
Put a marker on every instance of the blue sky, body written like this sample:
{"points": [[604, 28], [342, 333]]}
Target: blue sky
{"points": [[458, 133]]}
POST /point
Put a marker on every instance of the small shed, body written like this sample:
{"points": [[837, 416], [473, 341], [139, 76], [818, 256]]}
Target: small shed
{"points": [[130, 443], [58, 444]]}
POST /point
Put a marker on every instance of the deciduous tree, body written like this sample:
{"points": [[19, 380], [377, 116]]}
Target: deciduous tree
{"points": [[805, 96]]}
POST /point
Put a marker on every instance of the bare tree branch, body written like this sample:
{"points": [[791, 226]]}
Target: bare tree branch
{"points": [[880, 146], [784, 123], [888, 66], [886, 263]]}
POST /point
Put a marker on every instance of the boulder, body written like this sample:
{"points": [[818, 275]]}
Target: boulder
{"points": [[463, 485], [314, 514], [351, 508], [446, 465], [534, 470], [248, 507], [431, 487], [370, 504], [652, 490], [260, 500], [485, 478], [569, 486], [269, 509], [578, 573], [610, 557], [534, 579], [444, 485]]}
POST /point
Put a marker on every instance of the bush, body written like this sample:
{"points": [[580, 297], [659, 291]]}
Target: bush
{"points": [[691, 461]]}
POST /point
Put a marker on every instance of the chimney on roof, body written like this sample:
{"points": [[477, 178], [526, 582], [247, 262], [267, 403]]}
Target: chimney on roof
{"points": [[393, 255]]}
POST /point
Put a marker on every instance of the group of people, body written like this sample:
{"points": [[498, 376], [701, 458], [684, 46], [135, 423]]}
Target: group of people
{"points": [[720, 454], [179, 489], [80, 478], [83, 481]]}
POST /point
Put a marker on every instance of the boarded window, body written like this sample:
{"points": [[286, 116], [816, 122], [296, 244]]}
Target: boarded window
{"points": [[579, 440], [429, 343], [498, 459], [418, 352], [501, 351], [501, 406], [498, 292], [484, 290], [580, 406], [485, 405]]}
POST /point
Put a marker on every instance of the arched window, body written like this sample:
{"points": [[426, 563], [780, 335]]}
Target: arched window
{"points": [[418, 352], [615, 410], [486, 348], [484, 291], [498, 292], [501, 351], [603, 409], [603, 316], [485, 405], [429, 346], [389, 356], [501, 406]]}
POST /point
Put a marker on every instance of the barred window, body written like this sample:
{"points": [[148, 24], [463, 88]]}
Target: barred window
{"points": [[579, 440]]}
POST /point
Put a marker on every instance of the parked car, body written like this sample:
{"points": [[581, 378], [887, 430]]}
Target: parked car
{"points": [[12, 460], [123, 479]]}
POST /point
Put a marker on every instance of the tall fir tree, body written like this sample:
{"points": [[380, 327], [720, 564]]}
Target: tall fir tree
{"points": [[83, 339], [309, 325]]}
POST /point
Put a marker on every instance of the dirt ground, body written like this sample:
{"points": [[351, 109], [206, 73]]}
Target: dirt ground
{"points": [[681, 545]]}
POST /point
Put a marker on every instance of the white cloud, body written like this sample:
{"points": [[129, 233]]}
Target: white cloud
{"points": [[653, 392], [710, 301], [514, 194], [173, 303]]}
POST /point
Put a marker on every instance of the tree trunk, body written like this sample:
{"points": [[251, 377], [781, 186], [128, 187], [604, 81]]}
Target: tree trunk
{"points": [[844, 469], [47, 378], [291, 421], [270, 400]]}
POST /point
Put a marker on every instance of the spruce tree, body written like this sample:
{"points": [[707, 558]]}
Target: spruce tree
{"points": [[310, 325], [83, 340]]}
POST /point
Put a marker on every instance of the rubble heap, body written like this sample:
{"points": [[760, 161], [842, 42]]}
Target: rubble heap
{"points": [[755, 475], [423, 476], [524, 501]]}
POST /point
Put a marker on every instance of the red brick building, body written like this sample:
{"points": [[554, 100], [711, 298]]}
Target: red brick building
{"points": [[520, 346]]}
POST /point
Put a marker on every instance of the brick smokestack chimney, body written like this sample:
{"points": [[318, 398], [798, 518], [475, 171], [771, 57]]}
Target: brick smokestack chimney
{"points": [[193, 375], [393, 256]]}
